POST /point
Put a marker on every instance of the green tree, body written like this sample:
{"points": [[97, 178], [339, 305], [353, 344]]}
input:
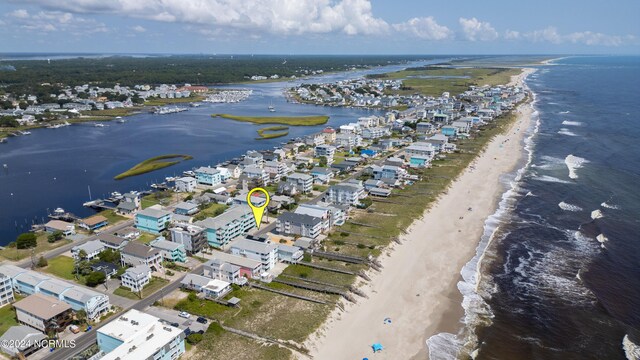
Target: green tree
{"points": [[110, 256], [194, 338], [42, 262], [95, 278], [26, 241], [81, 316], [322, 161], [55, 236], [82, 254]]}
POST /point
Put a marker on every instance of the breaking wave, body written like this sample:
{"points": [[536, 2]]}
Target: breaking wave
{"points": [[631, 349], [565, 112], [596, 214], [573, 163], [569, 207], [572, 123], [609, 206], [547, 178], [567, 132]]}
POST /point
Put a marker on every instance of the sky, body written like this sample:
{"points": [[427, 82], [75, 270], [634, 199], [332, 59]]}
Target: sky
{"points": [[321, 26]]}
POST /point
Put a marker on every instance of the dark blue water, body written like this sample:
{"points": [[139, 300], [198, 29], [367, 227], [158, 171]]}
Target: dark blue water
{"points": [[55, 167], [554, 291]]}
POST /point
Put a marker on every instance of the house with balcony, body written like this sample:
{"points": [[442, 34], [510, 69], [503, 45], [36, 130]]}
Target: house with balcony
{"points": [[322, 175], [208, 176], [249, 268], [328, 151], [186, 184], [6, 290], [186, 208], [191, 236], [20, 341], [152, 220], [93, 223], [278, 168], [138, 335], [345, 194], [92, 249], [234, 222], [66, 228], [210, 288], [135, 253], [135, 278], [289, 254], [112, 242], [303, 182], [222, 270], [44, 313], [299, 224], [265, 253], [170, 251], [255, 172]]}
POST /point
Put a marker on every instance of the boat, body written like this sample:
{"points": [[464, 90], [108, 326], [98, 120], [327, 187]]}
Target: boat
{"points": [[170, 178], [118, 117], [90, 203], [121, 121], [195, 105], [25, 132], [98, 125], [58, 211], [271, 108], [116, 195], [3, 141], [188, 173]]}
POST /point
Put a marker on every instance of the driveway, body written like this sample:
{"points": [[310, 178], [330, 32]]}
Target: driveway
{"points": [[171, 316]]}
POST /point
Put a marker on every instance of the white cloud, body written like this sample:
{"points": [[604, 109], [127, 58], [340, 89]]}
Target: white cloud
{"points": [[475, 30], [139, 29], [551, 34], [50, 21], [511, 35], [19, 13], [282, 17], [424, 28]]}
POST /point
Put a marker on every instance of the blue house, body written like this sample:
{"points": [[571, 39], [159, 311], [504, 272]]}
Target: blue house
{"points": [[368, 152], [186, 208], [449, 131], [152, 220], [208, 176], [419, 161]]}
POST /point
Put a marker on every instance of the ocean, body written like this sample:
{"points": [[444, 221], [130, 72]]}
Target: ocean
{"points": [[557, 271]]}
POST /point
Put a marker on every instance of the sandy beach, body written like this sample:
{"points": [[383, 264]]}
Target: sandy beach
{"points": [[417, 287]]}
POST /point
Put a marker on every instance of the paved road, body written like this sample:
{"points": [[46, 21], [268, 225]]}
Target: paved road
{"points": [[87, 339]]}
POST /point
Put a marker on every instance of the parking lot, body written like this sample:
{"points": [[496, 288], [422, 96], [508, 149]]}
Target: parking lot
{"points": [[171, 316]]}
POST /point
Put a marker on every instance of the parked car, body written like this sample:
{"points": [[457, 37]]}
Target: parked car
{"points": [[201, 320], [184, 314]]}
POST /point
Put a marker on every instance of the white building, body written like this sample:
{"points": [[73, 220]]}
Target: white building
{"points": [[137, 335], [345, 194], [267, 254], [136, 278], [92, 248], [327, 151], [303, 182], [186, 184]]}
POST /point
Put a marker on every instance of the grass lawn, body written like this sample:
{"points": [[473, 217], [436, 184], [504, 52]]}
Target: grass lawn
{"points": [[305, 272], [112, 216], [155, 284], [285, 120], [262, 312], [62, 267], [7, 318], [212, 210], [227, 345], [109, 113], [161, 197], [152, 164], [146, 237], [11, 253]]}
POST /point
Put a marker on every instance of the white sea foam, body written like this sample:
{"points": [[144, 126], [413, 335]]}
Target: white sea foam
{"points": [[547, 178], [565, 112], [477, 310], [602, 239], [569, 207], [573, 163], [572, 123], [631, 349], [567, 132], [609, 206], [596, 214]]}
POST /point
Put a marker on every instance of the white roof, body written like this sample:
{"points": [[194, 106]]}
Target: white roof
{"points": [[143, 335]]}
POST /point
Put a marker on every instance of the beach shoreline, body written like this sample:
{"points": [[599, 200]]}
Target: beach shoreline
{"points": [[421, 274]]}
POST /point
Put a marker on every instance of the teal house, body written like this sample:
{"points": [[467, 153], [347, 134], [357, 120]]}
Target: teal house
{"points": [[152, 220], [419, 161], [208, 176], [449, 131], [169, 250]]}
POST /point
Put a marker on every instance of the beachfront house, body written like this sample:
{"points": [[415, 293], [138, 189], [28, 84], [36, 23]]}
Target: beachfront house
{"points": [[345, 194], [208, 176], [135, 253], [289, 254], [152, 220], [265, 253], [249, 268], [236, 221], [219, 269], [419, 161], [421, 149], [170, 251], [449, 131], [290, 223], [210, 288]]}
